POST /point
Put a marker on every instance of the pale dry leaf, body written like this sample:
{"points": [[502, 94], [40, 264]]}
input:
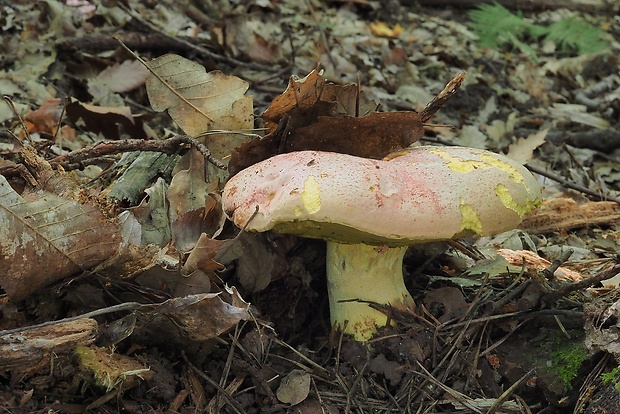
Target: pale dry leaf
{"points": [[294, 388], [152, 215], [124, 77], [523, 150], [196, 100], [46, 238]]}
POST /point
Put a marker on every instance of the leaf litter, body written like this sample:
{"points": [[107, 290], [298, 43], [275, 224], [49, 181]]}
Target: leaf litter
{"points": [[172, 334]]}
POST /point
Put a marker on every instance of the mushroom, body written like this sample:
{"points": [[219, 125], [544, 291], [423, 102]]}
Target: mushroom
{"points": [[369, 212]]}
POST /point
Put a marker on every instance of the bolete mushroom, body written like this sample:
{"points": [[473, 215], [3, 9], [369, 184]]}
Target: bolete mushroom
{"points": [[370, 211]]}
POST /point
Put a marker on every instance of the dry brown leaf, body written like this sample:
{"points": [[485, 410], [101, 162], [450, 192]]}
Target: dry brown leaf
{"points": [[202, 256], [45, 238], [372, 136], [106, 120], [307, 92], [46, 117], [313, 114]]}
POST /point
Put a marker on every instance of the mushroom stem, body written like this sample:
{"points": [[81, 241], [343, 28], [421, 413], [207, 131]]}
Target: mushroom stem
{"points": [[369, 274]]}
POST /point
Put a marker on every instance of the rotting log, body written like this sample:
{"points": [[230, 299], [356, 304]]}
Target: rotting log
{"points": [[32, 349]]}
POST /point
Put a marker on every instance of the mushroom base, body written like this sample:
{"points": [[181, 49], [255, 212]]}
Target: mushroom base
{"points": [[364, 274]]}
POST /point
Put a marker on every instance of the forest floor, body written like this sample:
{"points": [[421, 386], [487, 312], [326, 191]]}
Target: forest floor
{"points": [[126, 289]]}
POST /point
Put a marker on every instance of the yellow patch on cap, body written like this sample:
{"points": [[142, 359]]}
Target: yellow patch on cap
{"points": [[509, 202], [461, 165], [469, 219], [311, 196], [515, 175]]}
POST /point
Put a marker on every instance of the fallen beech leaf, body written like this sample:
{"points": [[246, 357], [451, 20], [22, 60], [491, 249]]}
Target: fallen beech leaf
{"points": [[196, 100], [106, 120], [45, 238]]}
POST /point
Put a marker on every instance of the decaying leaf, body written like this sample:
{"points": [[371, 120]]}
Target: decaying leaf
{"points": [[106, 120], [254, 260], [197, 317], [194, 207], [314, 114], [50, 233]]}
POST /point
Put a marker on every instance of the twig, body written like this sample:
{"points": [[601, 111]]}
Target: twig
{"points": [[566, 254], [171, 145], [586, 283], [438, 101], [571, 185], [499, 401], [128, 306], [234, 405], [322, 34], [10, 103]]}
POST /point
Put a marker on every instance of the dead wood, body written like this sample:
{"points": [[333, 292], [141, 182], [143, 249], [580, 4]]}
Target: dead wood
{"points": [[34, 348], [563, 214]]}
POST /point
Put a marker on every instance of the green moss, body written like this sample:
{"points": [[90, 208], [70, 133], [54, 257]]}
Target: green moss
{"points": [[567, 360], [612, 377]]}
